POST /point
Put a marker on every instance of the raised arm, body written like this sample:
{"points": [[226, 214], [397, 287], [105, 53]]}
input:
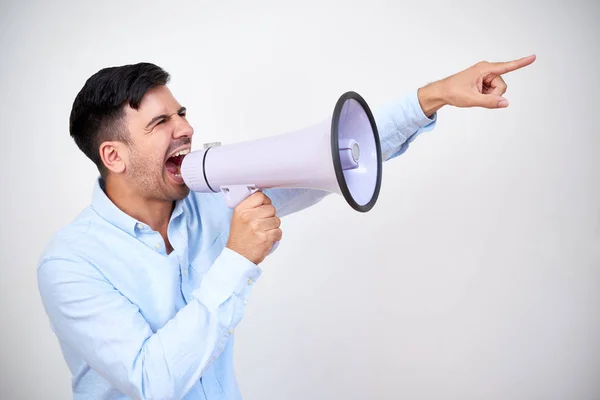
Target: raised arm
{"points": [[401, 121]]}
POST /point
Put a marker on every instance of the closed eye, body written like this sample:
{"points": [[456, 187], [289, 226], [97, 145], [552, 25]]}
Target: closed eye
{"points": [[164, 118]]}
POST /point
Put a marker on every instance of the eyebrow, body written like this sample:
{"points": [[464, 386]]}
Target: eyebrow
{"points": [[164, 116]]}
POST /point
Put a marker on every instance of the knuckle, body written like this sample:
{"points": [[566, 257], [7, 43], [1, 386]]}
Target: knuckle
{"points": [[238, 209], [238, 215], [245, 217], [255, 226], [264, 239]]}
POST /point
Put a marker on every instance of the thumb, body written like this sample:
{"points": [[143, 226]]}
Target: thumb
{"points": [[489, 101]]}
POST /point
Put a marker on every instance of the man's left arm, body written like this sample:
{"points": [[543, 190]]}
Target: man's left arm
{"points": [[400, 122]]}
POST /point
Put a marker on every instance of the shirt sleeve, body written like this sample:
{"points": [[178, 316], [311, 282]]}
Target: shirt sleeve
{"points": [[398, 122], [108, 331], [289, 201]]}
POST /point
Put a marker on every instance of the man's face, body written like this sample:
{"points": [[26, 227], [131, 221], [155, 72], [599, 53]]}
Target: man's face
{"points": [[159, 132]]}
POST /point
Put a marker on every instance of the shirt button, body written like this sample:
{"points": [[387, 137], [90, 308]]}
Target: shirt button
{"points": [[140, 226], [157, 246], [250, 281], [230, 331], [185, 272]]}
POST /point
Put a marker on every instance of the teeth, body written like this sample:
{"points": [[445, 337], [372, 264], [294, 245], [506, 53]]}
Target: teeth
{"points": [[181, 153]]}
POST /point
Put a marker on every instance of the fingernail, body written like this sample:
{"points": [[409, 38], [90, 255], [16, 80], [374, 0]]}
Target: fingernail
{"points": [[503, 103]]}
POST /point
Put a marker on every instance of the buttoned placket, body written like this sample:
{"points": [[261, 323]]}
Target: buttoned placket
{"points": [[154, 240], [178, 237]]}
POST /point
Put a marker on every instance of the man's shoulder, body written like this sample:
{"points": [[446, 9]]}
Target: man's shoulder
{"points": [[68, 240], [83, 239]]}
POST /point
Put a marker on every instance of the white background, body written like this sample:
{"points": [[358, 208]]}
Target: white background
{"points": [[477, 274]]}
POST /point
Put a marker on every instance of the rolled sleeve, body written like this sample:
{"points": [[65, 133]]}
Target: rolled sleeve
{"points": [[400, 122]]}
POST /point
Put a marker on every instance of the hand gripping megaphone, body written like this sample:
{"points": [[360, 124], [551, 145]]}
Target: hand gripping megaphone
{"points": [[341, 154]]}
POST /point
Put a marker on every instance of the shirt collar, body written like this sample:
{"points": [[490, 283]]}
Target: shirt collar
{"points": [[104, 206], [109, 211]]}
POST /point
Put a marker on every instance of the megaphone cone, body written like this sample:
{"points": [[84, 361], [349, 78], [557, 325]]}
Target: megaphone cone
{"points": [[341, 154]]}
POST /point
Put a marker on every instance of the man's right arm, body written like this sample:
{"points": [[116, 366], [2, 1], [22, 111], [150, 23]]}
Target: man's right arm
{"points": [[90, 315]]}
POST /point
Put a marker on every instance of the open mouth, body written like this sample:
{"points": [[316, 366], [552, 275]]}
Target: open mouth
{"points": [[173, 164]]}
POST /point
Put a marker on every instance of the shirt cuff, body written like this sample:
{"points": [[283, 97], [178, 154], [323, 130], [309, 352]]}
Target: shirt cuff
{"points": [[230, 274]]}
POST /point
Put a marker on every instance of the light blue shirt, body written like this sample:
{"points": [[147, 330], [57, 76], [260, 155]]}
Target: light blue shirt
{"points": [[135, 322]]}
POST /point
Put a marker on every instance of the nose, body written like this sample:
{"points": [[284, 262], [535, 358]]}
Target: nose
{"points": [[182, 128]]}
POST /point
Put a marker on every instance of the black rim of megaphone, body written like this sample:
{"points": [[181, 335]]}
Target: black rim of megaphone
{"points": [[335, 151]]}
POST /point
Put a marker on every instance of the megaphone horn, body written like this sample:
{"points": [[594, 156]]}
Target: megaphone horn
{"points": [[341, 154]]}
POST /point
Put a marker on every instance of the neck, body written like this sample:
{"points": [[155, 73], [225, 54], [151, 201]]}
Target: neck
{"points": [[154, 213]]}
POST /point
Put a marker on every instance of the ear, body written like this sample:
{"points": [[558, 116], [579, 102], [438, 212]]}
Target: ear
{"points": [[114, 156]]}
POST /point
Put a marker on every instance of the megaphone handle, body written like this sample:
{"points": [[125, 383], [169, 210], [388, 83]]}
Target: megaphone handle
{"points": [[234, 195]]}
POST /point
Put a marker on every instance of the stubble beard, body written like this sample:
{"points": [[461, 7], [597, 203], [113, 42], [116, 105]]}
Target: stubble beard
{"points": [[150, 178]]}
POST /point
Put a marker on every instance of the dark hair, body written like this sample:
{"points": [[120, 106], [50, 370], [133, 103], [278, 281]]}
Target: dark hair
{"points": [[97, 113]]}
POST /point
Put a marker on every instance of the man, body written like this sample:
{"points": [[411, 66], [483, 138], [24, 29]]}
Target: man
{"points": [[145, 287]]}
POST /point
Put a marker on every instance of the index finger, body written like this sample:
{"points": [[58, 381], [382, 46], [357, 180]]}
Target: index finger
{"points": [[256, 199], [509, 66]]}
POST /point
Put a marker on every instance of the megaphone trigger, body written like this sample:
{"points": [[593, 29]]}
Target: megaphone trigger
{"points": [[235, 194]]}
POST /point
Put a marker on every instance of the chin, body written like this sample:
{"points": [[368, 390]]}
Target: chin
{"points": [[181, 193]]}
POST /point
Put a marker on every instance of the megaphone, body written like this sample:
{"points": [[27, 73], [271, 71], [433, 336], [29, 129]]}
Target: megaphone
{"points": [[341, 154]]}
